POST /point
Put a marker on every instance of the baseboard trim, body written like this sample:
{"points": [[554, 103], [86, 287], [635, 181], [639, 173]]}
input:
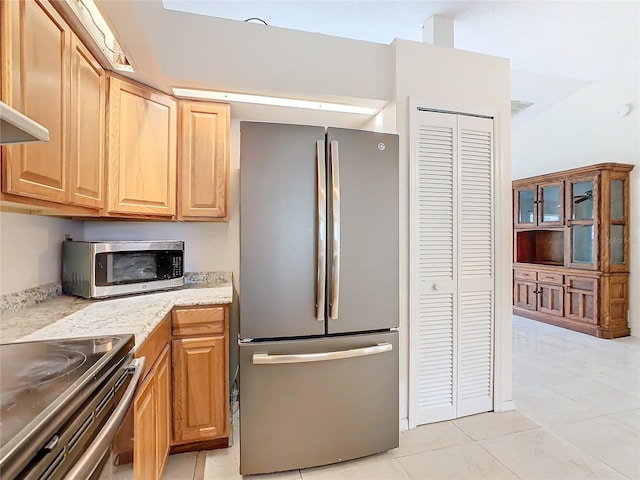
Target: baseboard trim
{"points": [[507, 406], [404, 424]]}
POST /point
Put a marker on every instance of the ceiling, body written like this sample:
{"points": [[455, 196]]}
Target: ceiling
{"points": [[555, 47]]}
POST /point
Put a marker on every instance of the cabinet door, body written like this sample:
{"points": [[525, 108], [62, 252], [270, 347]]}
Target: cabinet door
{"points": [[200, 401], [581, 299], [524, 295], [551, 299], [550, 204], [86, 135], [163, 379], [582, 219], [145, 426], [204, 160], [35, 81], [525, 206], [615, 232], [142, 150]]}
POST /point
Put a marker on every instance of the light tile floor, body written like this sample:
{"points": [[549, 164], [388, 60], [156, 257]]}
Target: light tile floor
{"points": [[577, 416]]}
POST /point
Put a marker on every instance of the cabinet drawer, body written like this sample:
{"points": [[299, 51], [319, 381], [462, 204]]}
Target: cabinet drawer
{"points": [[525, 274], [582, 283], [550, 277], [198, 321]]}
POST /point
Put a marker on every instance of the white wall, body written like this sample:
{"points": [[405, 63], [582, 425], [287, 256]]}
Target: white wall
{"points": [[443, 78], [217, 53], [582, 130], [30, 249]]}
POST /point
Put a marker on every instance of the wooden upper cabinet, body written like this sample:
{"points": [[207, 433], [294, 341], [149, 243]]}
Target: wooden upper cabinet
{"points": [[525, 201], [539, 205], [582, 222], [36, 60], [142, 150], [50, 76], [87, 127], [551, 204], [614, 225], [204, 160]]}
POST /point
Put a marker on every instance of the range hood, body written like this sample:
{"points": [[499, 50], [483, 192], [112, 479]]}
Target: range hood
{"points": [[18, 128]]}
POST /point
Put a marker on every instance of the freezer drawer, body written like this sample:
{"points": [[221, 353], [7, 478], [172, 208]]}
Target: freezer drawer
{"points": [[314, 402]]}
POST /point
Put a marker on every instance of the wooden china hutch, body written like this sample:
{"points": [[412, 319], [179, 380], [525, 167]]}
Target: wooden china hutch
{"points": [[571, 249]]}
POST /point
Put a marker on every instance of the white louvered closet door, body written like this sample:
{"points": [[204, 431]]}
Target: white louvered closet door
{"points": [[451, 267]]}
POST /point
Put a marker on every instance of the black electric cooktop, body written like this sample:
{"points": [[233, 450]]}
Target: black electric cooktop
{"points": [[43, 382]]}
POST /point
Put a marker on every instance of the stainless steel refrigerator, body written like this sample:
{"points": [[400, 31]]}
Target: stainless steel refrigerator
{"points": [[318, 295]]}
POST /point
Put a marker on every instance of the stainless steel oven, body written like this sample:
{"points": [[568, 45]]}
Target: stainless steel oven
{"points": [[62, 402]]}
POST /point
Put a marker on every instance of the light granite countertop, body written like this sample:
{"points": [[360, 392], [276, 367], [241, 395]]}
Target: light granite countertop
{"points": [[66, 316]]}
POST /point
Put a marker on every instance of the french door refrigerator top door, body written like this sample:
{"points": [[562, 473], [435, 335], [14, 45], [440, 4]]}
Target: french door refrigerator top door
{"points": [[316, 216], [362, 271], [281, 266]]}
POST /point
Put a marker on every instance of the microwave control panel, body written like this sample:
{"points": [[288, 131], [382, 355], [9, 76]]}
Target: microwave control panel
{"points": [[176, 265]]}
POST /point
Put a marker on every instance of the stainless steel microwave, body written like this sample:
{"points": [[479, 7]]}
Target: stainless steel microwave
{"points": [[106, 269]]}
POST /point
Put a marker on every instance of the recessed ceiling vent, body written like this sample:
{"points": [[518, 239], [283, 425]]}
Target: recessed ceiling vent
{"points": [[518, 106]]}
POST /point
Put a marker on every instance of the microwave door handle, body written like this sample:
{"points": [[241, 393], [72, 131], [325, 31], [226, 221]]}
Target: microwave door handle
{"points": [[321, 241], [86, 465], [334, 270]]}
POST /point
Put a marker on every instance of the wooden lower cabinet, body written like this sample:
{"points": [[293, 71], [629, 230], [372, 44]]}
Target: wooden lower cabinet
{"points": [[596, 304], [146, 429], [551, 299], [524, 294], [145, 433], [151, 422], [199, 396], [538, 297], [183, 401], [163, 389], [200, 374], [581, 299]]}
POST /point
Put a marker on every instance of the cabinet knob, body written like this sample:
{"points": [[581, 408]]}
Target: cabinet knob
{"points": [[436, 286]]}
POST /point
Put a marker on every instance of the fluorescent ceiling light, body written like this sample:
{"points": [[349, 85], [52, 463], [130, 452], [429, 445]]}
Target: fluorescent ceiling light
{"points": [[274, 101]]}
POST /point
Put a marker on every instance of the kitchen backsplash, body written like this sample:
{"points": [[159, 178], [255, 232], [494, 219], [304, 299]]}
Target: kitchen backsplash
{"points": [[11, 302], [212, 278]]}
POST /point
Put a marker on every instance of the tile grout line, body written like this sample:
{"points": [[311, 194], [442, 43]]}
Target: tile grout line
{"points": [[593, 457], [496, 458], [198, 471]]}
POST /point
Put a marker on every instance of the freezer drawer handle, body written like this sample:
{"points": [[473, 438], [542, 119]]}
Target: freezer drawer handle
{"points": [[322, 231], [266, 359]]}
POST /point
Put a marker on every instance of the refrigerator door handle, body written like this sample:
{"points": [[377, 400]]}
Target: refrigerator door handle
{"points": [[321, 242], [334, 166], [266, 359]]}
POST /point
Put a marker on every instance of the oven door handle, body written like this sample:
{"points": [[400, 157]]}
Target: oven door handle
{"points": [[95, 452]]}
